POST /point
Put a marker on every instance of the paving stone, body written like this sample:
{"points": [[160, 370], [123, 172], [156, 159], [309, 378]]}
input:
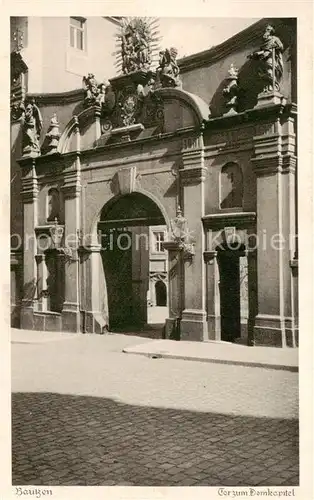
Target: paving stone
{"points": [[164, 430]]}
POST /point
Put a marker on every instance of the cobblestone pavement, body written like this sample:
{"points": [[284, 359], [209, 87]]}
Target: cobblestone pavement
{"points": [[83, 413]]}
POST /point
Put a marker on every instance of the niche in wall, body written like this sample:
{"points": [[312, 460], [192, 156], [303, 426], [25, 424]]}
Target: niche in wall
{"points": [[231, 186], [53, 209]]}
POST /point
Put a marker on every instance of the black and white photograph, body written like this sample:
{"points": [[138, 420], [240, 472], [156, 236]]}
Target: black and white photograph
{"points": [[154, 253]]}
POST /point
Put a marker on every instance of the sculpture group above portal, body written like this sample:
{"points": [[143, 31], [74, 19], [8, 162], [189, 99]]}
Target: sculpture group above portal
{"points": [[167, 73], [137, 41], [270, 56]]}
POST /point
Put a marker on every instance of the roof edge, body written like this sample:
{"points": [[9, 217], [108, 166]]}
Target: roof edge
{"points": [[249, 34]]}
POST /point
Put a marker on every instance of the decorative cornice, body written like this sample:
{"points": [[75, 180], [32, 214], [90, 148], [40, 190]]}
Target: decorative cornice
{"points": [[57, 98], [251, 34], [142, 140], [251, 115], [239, 220]]}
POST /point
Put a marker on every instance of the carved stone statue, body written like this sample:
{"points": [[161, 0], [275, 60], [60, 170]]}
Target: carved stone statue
{"points": [[270, 55], [91, 89], [98, 93], [178, 226], [32, 127], [230, 92], [106, 97], [129, 63], [136, 43], [141, 48], [168, 69]]}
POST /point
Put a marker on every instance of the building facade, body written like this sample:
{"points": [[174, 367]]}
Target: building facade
{"points": [[197, 158]]}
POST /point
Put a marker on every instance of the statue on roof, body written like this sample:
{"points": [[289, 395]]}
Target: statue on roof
{"points": [[136, 41], [91, 88], [168, 70], [270, 56], [100, 94], [32, 127]]}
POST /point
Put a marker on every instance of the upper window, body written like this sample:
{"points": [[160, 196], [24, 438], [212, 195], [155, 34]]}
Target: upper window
{"points": [[78, 33], [159, 238]]}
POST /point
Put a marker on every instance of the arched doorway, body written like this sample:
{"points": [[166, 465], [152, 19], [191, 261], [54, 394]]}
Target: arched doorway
{"points": [[126, 251], [161, 293]]}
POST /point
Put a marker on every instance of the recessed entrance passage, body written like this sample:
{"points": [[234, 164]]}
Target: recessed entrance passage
{"points": [[126, 252], [233, 301]]}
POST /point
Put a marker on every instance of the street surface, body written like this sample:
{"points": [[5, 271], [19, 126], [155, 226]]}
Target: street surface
{"points": [[84, 413]]}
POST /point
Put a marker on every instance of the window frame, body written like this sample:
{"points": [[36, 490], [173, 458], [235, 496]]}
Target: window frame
{"points": [[76, 30], [157, 242]]}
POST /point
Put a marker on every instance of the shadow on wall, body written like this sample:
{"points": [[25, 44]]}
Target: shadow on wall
{"points": [[217, 105], [249, 84], [47, 449]]}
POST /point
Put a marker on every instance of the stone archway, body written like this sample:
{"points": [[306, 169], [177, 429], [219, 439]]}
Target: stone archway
{"points": [[123, 231]]}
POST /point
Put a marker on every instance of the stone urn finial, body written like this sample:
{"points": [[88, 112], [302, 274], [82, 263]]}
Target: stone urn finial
{"points": [[231, 91], [53, 135]]}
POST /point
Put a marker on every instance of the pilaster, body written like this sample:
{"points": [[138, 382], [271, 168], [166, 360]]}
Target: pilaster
{"points": [[212, 295], [274, 165], [192, 177], [176, 290], [71, 191], [95, 311], [30, 215], [42, 276]]}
